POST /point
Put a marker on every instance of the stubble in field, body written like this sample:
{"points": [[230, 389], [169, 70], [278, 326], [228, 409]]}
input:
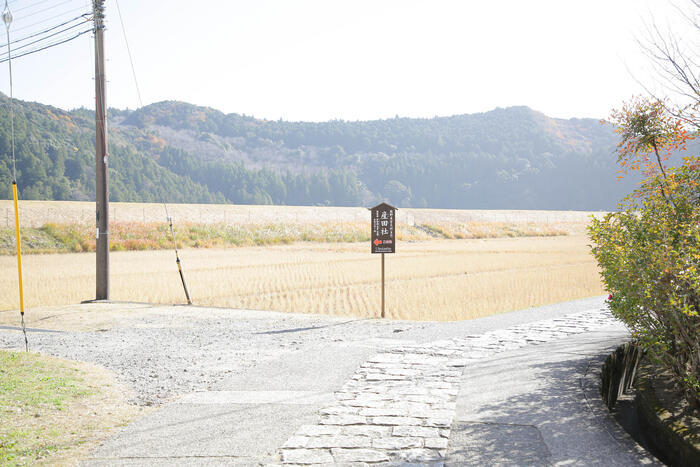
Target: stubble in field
{"points": [[432, 280]]}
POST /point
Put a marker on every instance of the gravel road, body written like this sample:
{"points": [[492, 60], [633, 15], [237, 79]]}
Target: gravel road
{"points": [[165, 351], [256, 388]]}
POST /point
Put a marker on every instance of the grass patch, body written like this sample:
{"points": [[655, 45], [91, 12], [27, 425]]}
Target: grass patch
{"points": [[29, 381], [43, 407], [135, 236], [33, 240], [33, 387]]}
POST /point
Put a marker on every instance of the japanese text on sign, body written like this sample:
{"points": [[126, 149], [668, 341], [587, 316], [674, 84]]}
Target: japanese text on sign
{"points": [[383, 232]]}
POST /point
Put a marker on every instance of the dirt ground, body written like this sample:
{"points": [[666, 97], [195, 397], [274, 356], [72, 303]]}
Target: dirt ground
{"points": [[87, 317]]}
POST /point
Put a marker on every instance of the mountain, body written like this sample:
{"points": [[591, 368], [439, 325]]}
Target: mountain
{"points": [[512, 158]]}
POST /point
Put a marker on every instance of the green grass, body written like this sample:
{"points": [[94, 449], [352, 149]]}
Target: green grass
{"points": [[32, 388], [34, 240], [128, 236]]}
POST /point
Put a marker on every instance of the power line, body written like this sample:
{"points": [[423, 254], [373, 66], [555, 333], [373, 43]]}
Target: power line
{"points": [[12, 2], [51, 18], [48, 46], [167, 216], [48, 36], [31, 5], [33, 13], [84, 16], [128, 50]]}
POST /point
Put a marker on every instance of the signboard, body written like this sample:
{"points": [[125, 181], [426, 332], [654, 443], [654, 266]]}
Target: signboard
{"points": [[383, 231]]}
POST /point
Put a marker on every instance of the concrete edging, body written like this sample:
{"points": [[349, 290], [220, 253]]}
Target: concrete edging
{"points": [[591, 387], [670, 438]]}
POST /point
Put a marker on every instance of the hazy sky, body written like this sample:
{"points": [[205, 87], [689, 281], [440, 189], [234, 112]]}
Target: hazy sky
{"points": [[325, 59]]}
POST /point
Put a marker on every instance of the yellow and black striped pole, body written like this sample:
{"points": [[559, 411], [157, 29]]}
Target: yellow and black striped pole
{"points": [[177, 256]]}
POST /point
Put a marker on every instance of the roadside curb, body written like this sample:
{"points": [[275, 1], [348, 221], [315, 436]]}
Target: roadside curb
{"points": [[673, 439], [591, 386]]}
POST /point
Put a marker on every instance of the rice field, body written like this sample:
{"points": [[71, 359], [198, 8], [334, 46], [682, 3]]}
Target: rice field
{"points": [[426, 280], [38, 213]]}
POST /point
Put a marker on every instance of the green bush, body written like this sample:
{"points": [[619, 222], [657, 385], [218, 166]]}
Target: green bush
{"points": [[649, 254], [649, 251]]}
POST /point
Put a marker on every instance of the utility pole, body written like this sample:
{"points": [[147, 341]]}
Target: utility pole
{"points": [[101, 155]]}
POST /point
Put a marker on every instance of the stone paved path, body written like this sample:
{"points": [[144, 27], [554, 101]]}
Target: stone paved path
{"points": [[399, 405]]}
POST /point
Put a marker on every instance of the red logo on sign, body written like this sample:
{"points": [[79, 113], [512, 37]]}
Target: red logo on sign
{"points": [[377, 242]]}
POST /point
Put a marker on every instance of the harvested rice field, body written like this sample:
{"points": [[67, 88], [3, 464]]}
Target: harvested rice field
{"points": [[440, 280]]}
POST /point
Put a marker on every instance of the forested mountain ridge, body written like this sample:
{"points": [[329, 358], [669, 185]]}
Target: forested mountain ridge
{"points": [[513, 158]]}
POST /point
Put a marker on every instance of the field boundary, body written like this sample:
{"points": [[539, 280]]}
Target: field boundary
{"points": [[37, 213]]}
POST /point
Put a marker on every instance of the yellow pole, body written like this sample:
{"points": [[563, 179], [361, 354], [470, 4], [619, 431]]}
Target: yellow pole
{"points": [[7, 19], [19, 251], [19, 265]]}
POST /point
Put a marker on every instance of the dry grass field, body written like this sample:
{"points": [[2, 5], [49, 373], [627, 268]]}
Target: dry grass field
{"points": [[38, 213], [426, 280]]}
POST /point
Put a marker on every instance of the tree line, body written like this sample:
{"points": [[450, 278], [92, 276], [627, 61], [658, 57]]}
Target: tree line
{"points": [[171, 151]]}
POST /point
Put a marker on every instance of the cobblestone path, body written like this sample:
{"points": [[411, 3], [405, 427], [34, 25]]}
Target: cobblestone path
{"points": [[399, 405]]}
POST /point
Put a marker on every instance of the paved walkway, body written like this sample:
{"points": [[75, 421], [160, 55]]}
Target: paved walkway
{"points": [[519, 394]]}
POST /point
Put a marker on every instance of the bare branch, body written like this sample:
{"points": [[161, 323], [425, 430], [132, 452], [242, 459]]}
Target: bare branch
{"points": [[669, 60]]}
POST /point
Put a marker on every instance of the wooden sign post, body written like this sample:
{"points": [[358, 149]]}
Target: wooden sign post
{"points": [[383, 235]]}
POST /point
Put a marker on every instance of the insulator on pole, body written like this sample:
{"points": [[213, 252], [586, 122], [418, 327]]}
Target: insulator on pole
{"points": [[7, 16]]}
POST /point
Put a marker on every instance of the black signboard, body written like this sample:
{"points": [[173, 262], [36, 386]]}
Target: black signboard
{"points": [[383, 232]]}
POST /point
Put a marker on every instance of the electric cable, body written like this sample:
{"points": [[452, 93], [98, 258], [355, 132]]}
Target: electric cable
{"points": [[128, 51], [51, 18], [33, 13], [47, 37], [167, 216], [31, 5], [85, 16], [48, 46]]}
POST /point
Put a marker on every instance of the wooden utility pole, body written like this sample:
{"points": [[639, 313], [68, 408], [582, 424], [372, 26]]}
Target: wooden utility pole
{"points": [[101, 155]]}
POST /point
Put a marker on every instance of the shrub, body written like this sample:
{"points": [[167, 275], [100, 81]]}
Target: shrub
{"points": [[649, 254], [649, 251]]}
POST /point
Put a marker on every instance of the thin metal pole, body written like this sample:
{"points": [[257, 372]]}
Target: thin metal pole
{"points": [[177, 256], [383, 285], [101, 155], [12, 110]]}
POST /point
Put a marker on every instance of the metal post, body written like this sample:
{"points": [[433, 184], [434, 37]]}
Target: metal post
{"points": [[101, 155], [177, 256], [382, 285]]}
